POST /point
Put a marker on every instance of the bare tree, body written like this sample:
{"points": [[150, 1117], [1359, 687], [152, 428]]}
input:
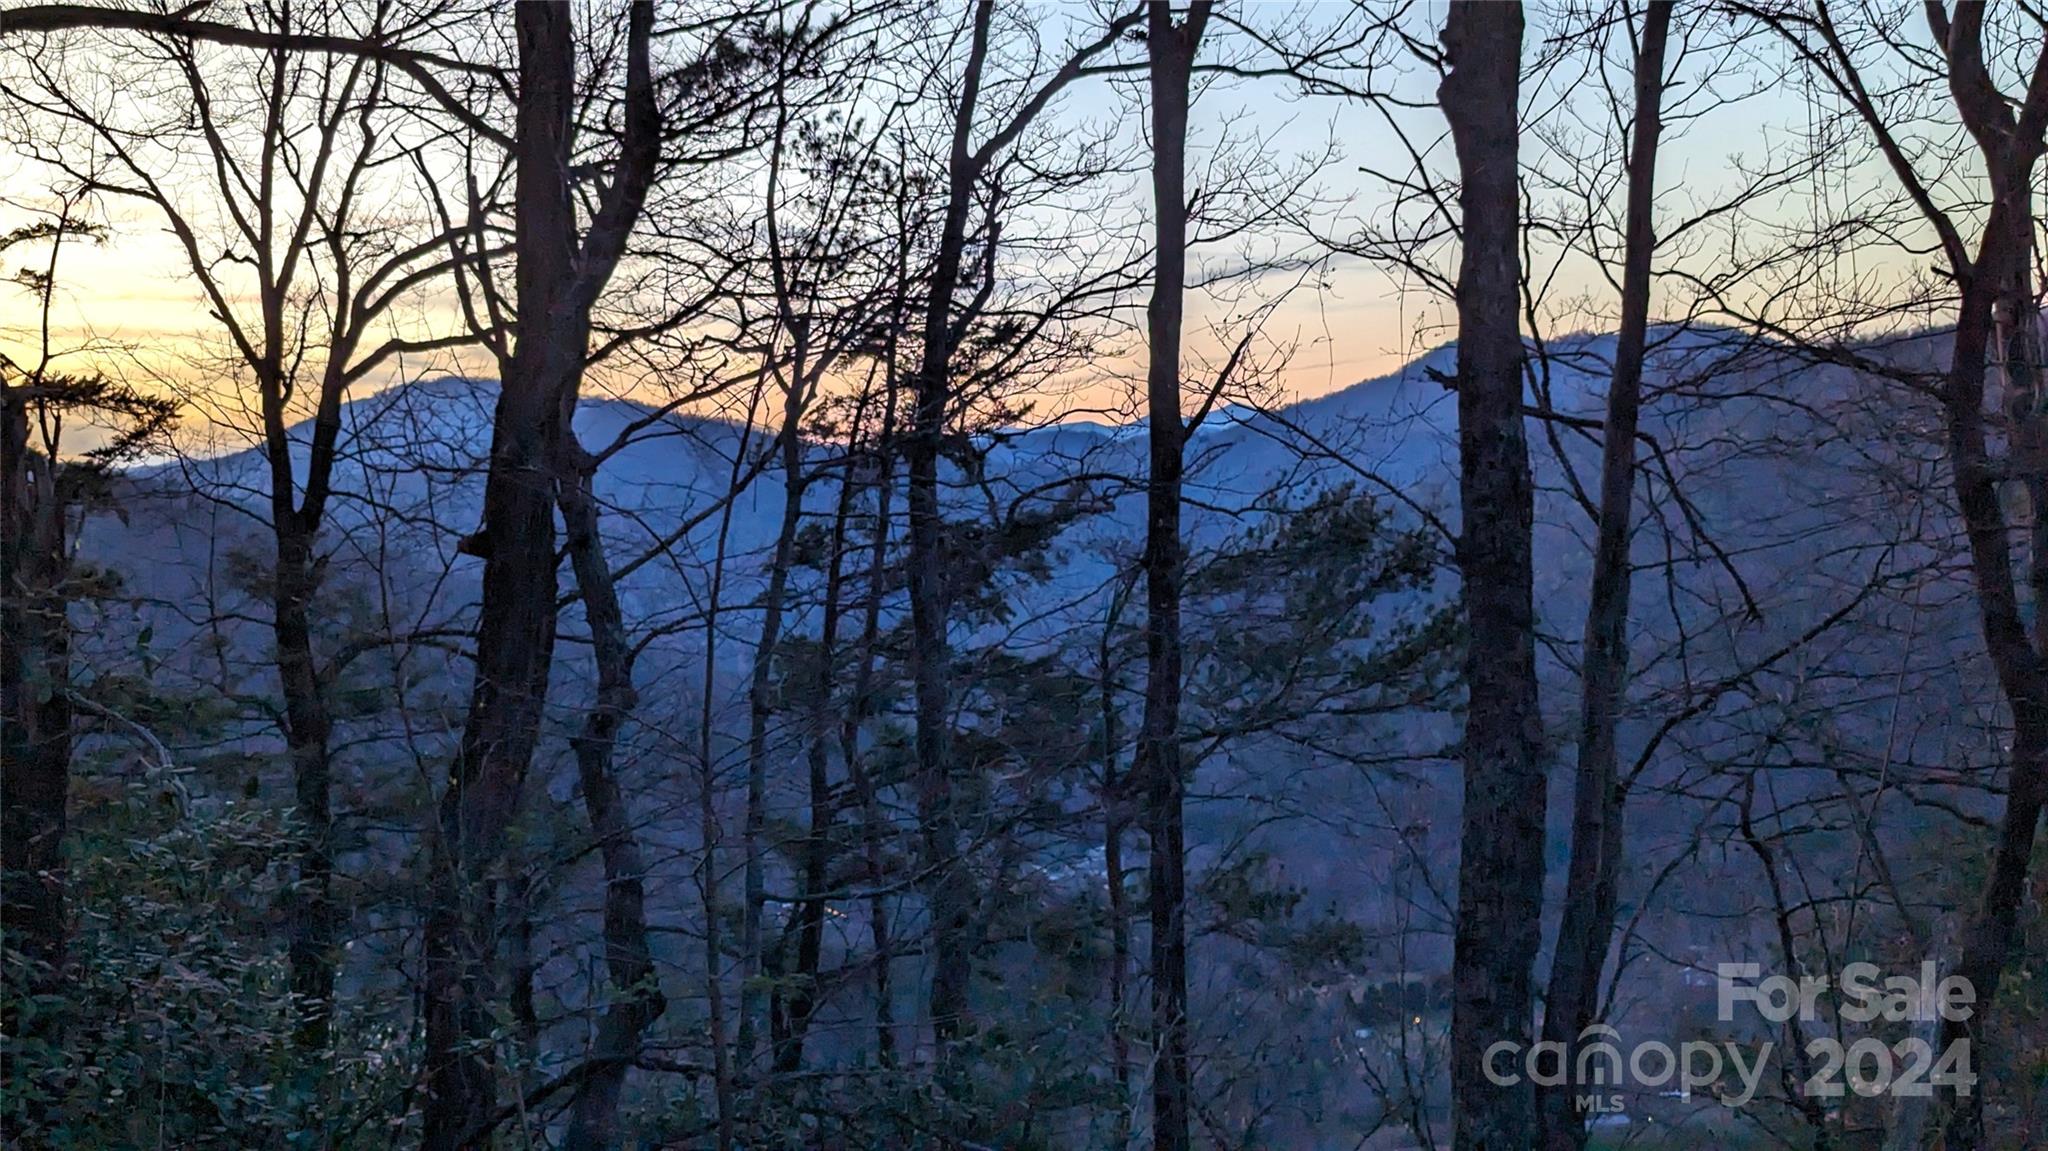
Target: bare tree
{"points": [[1172, 46], [1593, 873], [291, 160], [941, 328], [1500, 862], [637, 1000], [1996, 331], [562, 269], [834, 277]]}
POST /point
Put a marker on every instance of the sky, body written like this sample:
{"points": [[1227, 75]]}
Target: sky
{"points": [[132, 307]]}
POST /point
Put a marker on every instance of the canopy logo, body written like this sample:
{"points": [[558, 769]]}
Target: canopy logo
{"points": [[1731, 1071]]}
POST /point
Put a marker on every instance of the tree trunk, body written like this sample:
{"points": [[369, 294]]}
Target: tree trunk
{"points": [[1995, 278], [1999, 279], [1957, 1122], [1115, 822], [709, 873], [1572, 1000], [35, 707], [558, 282], [1172, 49], [1500, 863], [873, 822], [635, 994], [708, 832], [793, 1006], [760, 709], [35, 750], [515, 643], [516, 622], [312, 922], [1800, 1066], [522, 969], [946, 881]]}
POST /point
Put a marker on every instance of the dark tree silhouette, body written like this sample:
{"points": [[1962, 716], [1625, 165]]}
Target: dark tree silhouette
{"points": [[1500, 862]]}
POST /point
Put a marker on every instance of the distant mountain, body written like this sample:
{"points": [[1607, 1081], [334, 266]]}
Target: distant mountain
{"points": [[1776, 495], [1762, 496]]}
